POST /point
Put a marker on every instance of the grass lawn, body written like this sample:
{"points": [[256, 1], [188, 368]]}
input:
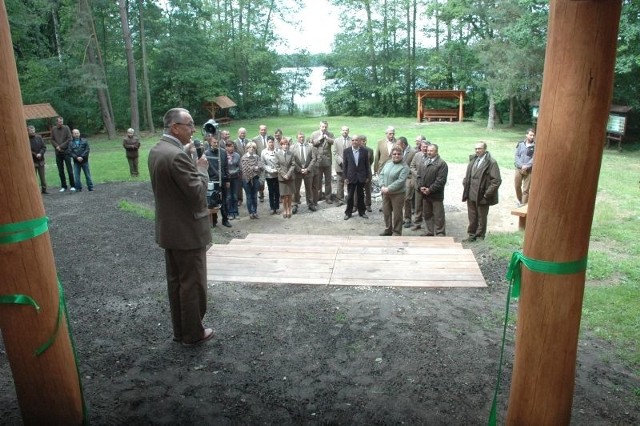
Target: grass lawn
{"points": [[612, 296]]}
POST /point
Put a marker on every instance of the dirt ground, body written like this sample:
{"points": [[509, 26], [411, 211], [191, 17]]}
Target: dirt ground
{"points": [[292, 354]]}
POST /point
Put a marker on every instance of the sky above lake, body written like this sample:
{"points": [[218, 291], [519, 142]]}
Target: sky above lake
{"points": [[318, 22]]}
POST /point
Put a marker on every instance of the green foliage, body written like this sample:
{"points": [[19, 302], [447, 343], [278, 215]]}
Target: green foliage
{"points": [[201, 49]]}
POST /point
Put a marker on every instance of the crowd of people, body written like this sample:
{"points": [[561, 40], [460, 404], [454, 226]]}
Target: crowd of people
{"points": [[411, 180]]}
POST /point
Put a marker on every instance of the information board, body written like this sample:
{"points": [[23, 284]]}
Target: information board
{"points": [[616, 124]]}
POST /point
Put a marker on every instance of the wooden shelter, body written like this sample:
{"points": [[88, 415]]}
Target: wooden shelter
{"points": [[219, 109], [439, 114], [40, 111]]}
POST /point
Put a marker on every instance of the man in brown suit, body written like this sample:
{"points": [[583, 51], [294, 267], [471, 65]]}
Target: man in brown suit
{"points": [[481, 183], [182, 225], [60, 140], [323, 140], [383, 151]]}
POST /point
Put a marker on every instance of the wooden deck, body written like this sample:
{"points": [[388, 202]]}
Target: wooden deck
{"points": [[345, 260]]}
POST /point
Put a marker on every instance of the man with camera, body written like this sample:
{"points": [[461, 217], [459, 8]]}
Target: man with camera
{"points": [[218, 179], [323, 140], [182, 225]]}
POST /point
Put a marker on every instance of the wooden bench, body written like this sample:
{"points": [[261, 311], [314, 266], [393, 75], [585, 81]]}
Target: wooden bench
{"points": [[521, 212], [440, 114]]}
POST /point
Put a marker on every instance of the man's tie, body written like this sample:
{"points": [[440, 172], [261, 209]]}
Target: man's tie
{"points": [[303, 154]]}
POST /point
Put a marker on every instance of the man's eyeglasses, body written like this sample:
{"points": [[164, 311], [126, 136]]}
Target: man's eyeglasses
{"points": [[397, 153], [190, 125]]}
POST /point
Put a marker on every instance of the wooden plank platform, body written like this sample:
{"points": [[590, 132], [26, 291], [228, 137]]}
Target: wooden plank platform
{"points": [[345, 260]]}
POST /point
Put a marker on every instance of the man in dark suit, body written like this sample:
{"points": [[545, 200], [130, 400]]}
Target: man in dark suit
{"points": [[182, 225], [357, 172]]}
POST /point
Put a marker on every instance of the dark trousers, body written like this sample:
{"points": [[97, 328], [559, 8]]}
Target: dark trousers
{"points": [[274, 193], [187, 288], [308, 189], [353, 190], [477, 214], [232, 196], [251, 188], [322, 172], [84, 166], [339, 186], [133, 166], [433, 212], [41, 174], [63, 160]]}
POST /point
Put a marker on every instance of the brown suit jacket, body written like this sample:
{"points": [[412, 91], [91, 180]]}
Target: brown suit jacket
{"points": [[381, 155], [182, 218]]}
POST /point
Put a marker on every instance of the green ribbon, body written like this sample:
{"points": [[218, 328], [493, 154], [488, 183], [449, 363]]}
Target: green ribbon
{"points": [[514, 276], [19, 299], [22, 231]]}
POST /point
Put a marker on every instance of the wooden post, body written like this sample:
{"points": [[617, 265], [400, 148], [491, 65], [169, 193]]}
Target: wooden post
{"points": [[47, 386], [576, 94]]}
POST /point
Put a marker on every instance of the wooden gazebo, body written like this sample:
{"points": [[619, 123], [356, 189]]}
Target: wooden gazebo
{"points": [[219, 108], [40, 111], [449, 114]]}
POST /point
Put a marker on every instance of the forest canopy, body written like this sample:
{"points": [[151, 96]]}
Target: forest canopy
{"points": [[109, 65]]}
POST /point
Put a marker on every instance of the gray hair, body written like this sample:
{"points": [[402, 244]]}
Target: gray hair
{"points": [[172, 116]]}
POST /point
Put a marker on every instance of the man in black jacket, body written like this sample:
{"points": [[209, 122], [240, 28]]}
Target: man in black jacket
{"points": [[431, 179], [356, 170], [481, 184], [218, 179]]}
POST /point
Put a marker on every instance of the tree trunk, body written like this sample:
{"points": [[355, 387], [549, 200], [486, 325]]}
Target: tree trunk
{"points": [[145, 72], [97, 69], [47, 385], [131, 66], [574, 108], [491, 121], [372, 55], [512, 106], [56, 28]]}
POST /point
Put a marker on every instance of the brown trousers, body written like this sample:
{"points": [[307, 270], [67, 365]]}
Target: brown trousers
{"points": [[187, 288], [392, 211]]}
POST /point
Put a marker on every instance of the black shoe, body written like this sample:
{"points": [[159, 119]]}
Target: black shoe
{"points": [[213, 225], [44, 191], [385, 234], [407, 224], [470, 239], [226, 223], [364, 216], [294, 210], [313, 208], [369, 209], [347, 216]]}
